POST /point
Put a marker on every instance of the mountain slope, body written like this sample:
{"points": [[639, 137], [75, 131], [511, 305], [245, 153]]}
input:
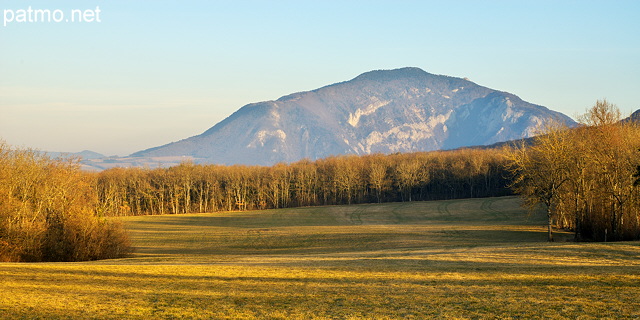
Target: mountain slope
{"points": [[386, 111], [634, 117]]}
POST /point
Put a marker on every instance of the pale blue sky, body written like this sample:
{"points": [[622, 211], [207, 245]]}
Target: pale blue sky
{"points": [[152, 72]]}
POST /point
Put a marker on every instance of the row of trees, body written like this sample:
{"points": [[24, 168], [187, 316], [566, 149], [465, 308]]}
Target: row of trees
{"points": [[47, 211], [585, 177], [336, 180]]}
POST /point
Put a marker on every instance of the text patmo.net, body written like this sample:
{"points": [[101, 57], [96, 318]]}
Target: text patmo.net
{"points": [[47, 15]]}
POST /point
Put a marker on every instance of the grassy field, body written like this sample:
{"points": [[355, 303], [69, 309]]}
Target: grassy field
{"points": [[465, 259]]}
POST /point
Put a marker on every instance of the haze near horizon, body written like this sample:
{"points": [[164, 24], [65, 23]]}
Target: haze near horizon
{"points": [[149, 73]]}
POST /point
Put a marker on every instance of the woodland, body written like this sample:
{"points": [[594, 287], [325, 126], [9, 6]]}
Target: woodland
{"points": [[48, 211], [587, 178]]}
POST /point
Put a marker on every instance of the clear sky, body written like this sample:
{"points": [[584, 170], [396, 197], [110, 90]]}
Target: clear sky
{"points": [[152, 72]]}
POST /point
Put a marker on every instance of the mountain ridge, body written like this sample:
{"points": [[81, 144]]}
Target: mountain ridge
{"points": [[387, 111]]}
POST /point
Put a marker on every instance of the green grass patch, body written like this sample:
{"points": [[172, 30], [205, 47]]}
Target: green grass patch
{"points": [[465, 259]]}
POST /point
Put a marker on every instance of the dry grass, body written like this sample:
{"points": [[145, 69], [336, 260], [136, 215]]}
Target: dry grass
{"points": [[479, 258]]}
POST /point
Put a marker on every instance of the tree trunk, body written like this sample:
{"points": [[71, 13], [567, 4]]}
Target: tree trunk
{"points": [[550, 225]]}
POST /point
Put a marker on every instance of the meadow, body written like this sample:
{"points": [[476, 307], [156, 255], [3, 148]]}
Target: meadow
{"points": [[456, 259]]}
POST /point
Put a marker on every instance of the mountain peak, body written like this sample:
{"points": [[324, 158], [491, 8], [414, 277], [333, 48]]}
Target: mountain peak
{"points": [[386, 111], [407, 72]]}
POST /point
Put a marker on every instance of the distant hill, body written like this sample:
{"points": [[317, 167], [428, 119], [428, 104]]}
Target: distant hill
{"points": [[85, 154], [93, 161], [386, 111]]}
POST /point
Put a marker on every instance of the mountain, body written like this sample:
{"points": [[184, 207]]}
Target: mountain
{"points": [[634, 117], [386, 111]]}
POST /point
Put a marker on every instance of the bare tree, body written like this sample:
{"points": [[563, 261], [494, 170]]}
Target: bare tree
{"points": [[540, 170]]}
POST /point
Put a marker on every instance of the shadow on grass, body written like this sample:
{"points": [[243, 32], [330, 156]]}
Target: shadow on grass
{"points": [[265, 242]]}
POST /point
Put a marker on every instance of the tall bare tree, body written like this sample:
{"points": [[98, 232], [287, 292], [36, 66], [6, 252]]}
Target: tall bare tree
{"points": [[540, 170]]}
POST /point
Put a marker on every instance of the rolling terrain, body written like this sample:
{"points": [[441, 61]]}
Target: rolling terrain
{"points": [[475, 258]]}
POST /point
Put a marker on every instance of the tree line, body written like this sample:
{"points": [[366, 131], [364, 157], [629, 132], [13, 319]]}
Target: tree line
{"points": [[190, 188], [586, 177], [48, 211]]}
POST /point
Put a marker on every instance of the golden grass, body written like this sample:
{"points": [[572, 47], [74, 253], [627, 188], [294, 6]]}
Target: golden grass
{"points": [[464, 259]]}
